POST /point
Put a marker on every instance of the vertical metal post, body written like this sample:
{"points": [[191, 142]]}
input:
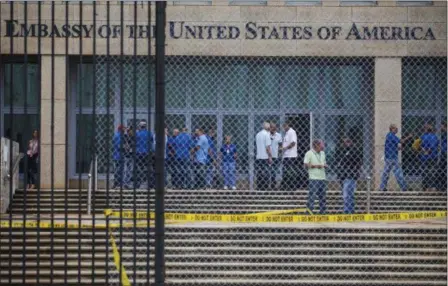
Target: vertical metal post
{"points": [[369, 181], [160, 146]]}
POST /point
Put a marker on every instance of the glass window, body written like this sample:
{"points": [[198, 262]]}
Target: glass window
{"points": [[206, 122], [14, 78], [415, 2], [343, 86], [186, 2], [174, 121], [247, 2], [265, 81], [105, 130], [358, 2], [424, 84], [298, 86], [238, 126], [235, 86], [303, 2], [176, 76], [203, 87]]}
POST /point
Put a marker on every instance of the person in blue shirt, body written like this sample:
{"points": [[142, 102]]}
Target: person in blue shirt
{"points": [[391, 148], [183, 143], [200, 151], [118, 157], [144, 143], [442, 181], [228, 157], [171, 160], [428, 158], [211, 157]]}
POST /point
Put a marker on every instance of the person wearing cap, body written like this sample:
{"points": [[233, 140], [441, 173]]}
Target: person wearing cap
{"points": [[118, 157], [143, 144]]}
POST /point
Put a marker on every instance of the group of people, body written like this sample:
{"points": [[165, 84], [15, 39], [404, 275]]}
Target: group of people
{"points": [[190, 159], [274, 151], [432, 154]]}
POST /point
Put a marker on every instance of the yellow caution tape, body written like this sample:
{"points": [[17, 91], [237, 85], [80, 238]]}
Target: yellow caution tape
{"points": [[117, 260], [256, 218], [281, 212]]}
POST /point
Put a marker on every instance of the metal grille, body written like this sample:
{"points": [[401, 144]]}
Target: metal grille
{"points": [[277, 169]]}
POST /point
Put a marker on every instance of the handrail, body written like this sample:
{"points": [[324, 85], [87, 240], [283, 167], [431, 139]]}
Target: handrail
{"points": [[369, 181], [15, 165], [93, 170]]}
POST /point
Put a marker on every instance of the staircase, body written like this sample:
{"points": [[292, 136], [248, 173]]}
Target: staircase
{"points": [[219, 201], [235, 255], [209, 254]]}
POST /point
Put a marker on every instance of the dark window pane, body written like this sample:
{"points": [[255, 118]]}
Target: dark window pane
{"points": [[16, 73]]}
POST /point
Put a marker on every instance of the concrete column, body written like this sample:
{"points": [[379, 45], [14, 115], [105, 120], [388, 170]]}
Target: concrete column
{"points": [[58, 121], [388, 97]]}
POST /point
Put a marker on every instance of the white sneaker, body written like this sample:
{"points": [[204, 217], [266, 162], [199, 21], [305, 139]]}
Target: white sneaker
{"points": [[234, 188], [225, 188]]}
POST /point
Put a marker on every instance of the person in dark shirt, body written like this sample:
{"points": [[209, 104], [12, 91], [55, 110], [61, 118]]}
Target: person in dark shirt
{"points": [[391, 147], [183, 143], [428, 157], [228, 157], [128, 156], [442, 180], [348, 167]]}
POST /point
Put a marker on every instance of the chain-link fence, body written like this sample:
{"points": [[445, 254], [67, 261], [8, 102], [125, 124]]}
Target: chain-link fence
{"points": [[312, 167]]}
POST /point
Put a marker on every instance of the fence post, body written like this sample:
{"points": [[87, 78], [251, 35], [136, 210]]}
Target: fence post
{"points": [[160, 147]]}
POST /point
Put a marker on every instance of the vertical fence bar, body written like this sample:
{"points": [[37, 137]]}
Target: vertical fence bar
{"points": [[93, 152], [25, 199], [148, 251], [67, 91], [11, 126], [52, 147], [122, 121], [134, 100], [160, 147], [81, 150], [39, 70], [2, 73], [107, 134], [369, 181]]}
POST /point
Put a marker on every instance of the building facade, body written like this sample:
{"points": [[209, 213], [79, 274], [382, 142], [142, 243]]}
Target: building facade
{"points": [[332, 68]]}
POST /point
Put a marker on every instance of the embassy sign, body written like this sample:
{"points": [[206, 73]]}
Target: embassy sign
{"points": [[250, 31]]}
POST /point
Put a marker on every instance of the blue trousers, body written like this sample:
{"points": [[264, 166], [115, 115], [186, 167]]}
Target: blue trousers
{"points": [[319, 188], [392, 165], [348, 193], [229, 174]]}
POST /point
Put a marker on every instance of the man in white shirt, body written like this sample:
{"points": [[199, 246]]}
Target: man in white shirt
{"points": [[276, 141], [290, 164], [263, 158], [316, 164]]}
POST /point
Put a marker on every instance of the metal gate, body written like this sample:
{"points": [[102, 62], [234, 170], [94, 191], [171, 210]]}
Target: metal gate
{"points": [[274, 146]]}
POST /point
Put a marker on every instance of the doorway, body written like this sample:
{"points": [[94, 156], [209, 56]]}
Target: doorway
{"points": [[302, 124]]}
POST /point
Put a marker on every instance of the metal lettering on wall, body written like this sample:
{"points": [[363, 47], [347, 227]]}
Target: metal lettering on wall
{"points": [[252, 31]]}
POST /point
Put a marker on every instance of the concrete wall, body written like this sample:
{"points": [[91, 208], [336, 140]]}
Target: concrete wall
{"points": [[387, 16], [5, 181]]}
